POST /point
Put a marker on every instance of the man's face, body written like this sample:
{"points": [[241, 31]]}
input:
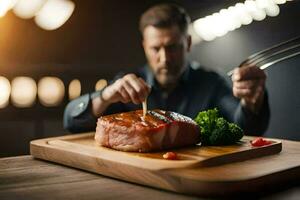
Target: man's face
{"points": [[166, 50]]}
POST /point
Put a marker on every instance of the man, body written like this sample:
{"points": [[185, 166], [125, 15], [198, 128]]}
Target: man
{"points": [[170, 82]]}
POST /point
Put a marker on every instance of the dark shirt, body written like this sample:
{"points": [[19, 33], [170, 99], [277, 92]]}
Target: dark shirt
{"points": [[197, 90]]}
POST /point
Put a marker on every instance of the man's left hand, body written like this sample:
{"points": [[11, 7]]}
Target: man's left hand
{"points": [[249, 86]]}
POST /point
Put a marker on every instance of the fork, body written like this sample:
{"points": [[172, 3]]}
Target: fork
{"points": [[273, 55]]}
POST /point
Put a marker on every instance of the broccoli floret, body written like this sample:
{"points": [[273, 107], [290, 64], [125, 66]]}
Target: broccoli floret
{"points": [[216, 130], [236, 131], [206, 121], [220, 134]]}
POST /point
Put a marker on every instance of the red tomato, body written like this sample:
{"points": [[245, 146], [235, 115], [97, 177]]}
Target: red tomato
{"points": [[170, 156], [258, 142]]}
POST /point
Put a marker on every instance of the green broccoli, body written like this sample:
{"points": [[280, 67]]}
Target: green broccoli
{"points": [[236, 131], [216, 130]]}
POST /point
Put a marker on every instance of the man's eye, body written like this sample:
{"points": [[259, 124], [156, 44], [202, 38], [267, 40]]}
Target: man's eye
{"points": [[156, 49]]}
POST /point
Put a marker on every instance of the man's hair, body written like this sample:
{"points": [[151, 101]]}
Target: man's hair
{"points": [[165, 16]]}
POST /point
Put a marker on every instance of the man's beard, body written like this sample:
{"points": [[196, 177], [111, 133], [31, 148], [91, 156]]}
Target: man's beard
{"points": [[167, 77]]}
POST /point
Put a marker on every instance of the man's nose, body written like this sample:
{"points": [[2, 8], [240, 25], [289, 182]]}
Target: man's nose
{"points": [[164, 55]]}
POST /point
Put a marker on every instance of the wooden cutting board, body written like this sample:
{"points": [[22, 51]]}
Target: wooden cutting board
{"points": [[199, 170]]}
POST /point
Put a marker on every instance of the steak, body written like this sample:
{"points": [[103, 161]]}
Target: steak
{"points": [[159, 130]]}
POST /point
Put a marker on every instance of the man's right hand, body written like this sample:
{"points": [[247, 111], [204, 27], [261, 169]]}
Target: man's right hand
{"points": [[129, 88]]}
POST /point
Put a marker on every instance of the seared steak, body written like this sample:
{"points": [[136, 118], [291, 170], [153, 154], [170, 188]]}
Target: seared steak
{"points": [[159, 130]]}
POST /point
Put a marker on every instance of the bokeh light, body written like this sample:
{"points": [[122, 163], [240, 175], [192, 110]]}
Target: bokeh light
{"points": [[74, 89], [5, 91], [218, 24], [27, 9], [51, 91], [279, 1], [201, 27], [273, 10], [256, 13], [23, 91], [100, 84], [54, 14], [5, 5]]}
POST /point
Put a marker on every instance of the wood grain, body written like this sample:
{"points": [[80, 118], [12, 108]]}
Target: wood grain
{"points": [[24, 177], [215, 177]]}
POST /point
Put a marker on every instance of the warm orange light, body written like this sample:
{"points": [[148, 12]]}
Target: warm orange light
{"points": [[51, 91], [23, 91], [74, 89], [4, 91], [100, 84]]}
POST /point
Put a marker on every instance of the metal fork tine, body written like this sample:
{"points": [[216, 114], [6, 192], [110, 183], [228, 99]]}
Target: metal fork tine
{"points": [[268, 64], [273, 51], [257, 61], [272, 62], [264, 52]]}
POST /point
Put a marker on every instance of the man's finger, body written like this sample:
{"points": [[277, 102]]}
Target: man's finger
{"points": [[139, 87], [248, 73], [125, 97], [132, 93], [145, 88], [241, 93], [248, 84], [252, 94]]}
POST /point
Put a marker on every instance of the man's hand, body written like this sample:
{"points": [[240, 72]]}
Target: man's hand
{"points": [[249, 86], [130, 88]]}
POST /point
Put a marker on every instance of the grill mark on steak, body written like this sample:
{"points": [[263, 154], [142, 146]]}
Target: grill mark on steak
{"points": [[159, 116], [178, 117]]}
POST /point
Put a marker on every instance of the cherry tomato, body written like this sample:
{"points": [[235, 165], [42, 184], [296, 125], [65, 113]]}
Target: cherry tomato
{"points": [[258, 142], [170, 156]]}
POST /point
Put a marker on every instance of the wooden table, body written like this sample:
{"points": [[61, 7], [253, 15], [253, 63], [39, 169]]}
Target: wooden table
{"points": [[24, 177]]}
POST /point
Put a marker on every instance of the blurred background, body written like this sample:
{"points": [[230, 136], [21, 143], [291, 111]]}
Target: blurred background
{"points": [[52, 51]]}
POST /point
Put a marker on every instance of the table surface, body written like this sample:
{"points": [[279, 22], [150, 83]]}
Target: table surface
{"points": [[24, 177]]}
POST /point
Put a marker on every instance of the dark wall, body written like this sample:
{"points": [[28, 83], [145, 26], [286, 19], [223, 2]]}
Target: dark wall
{"points": [[102, 37]]}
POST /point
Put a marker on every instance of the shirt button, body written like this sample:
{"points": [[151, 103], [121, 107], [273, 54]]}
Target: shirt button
{"points": [[81, 105]]}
